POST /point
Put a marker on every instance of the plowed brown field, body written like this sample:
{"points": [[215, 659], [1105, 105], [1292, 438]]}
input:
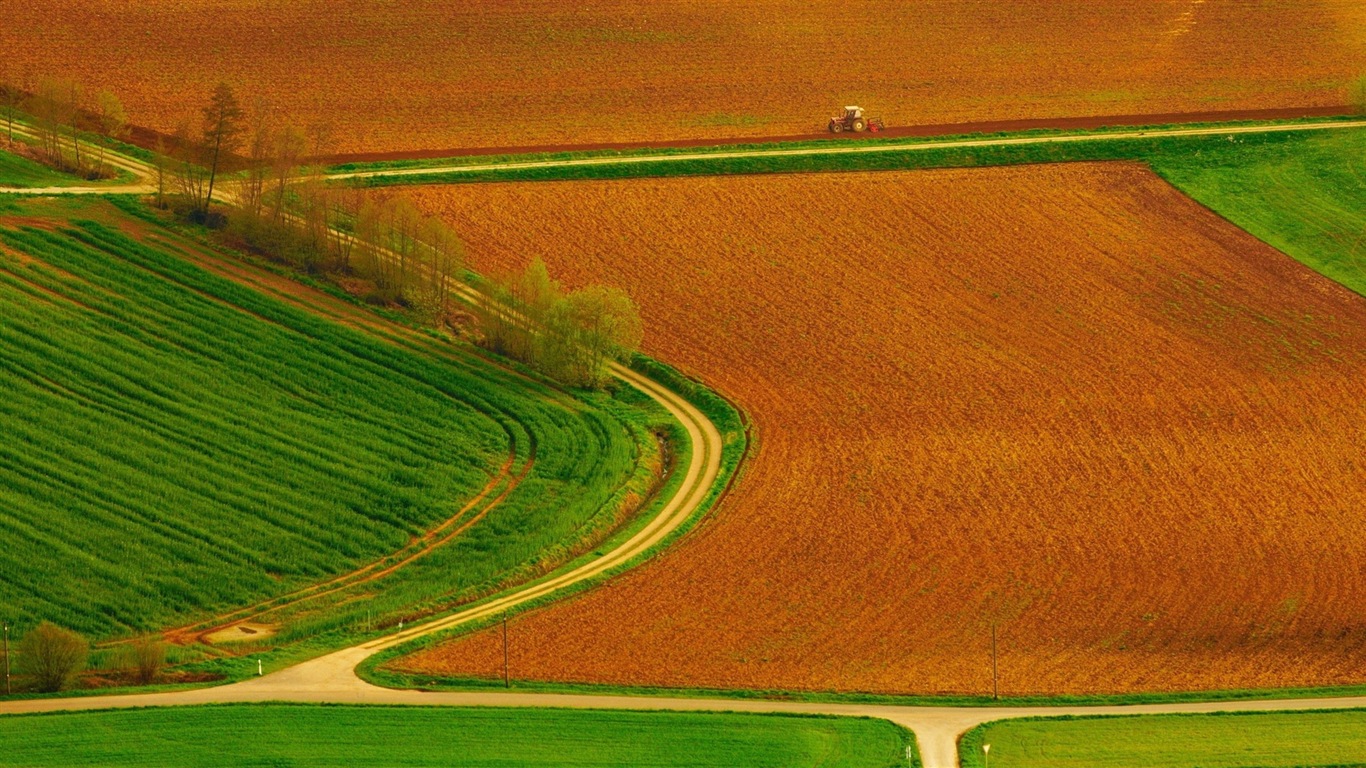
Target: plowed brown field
{"points": [[414, 75], [1066, 399]]}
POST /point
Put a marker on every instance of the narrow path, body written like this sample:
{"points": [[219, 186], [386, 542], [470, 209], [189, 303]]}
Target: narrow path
{"points": [[145, 172], [845, 149]]}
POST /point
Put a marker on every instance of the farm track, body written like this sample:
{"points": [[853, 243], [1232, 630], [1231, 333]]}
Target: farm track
{"points": [[332, 678], [144, 172], [504, 482], [455, 170], [895, 132]]}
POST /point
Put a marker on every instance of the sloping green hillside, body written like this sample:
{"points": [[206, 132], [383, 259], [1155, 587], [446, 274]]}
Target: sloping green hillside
{"points": [[176, 444]]}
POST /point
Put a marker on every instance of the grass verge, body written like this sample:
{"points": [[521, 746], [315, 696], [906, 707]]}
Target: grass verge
{"points": [[1225, 740], [320, 735]]}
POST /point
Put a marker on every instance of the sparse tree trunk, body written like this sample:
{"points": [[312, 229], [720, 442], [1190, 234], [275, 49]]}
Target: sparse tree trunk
{"points": [[222, 132]]}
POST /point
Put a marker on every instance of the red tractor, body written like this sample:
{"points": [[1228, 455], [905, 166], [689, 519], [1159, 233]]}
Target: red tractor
{"points": [[852, 119]]}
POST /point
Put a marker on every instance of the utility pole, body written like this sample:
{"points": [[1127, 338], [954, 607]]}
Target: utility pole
{"points": [[8, 691], [995, 692], [506, 683]]}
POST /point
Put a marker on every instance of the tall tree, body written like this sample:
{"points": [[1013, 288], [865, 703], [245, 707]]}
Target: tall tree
{"points": [[71, 111], [223, 119], [11, 96], [112, 121]]}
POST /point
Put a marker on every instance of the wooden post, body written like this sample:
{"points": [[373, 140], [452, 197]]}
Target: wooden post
{"points": [[995, 692], [506, 683], [7, 688]]}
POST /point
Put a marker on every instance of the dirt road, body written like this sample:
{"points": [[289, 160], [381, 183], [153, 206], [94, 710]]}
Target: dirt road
{"points": [[848, 149], [146, 174], [331, 679], [894, 132]]}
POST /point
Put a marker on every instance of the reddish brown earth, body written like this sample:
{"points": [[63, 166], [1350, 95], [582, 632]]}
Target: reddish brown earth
{"points": [[427, 75], [1065, 399]]}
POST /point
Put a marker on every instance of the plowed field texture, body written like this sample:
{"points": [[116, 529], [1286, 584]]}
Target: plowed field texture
{"points": [[498, 73], [1065, 399], [174, 445]]}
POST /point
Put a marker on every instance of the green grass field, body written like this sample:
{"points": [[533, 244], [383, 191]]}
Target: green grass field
{"points": [[308, 735], [178, 444], [1275, 740], [23, 173], [1306, 197]]}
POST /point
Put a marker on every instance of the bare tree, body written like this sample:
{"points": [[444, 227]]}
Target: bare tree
{"points": [[45, 106], [11, 97], [161, 160], [1359, 94], [52, 656], [289, 145], [222, 134], [71, 117], [188, 166], [112, 122]]}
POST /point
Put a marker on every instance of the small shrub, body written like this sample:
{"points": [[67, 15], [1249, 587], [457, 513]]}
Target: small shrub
{"points": [[52, 656], [149, 656]]}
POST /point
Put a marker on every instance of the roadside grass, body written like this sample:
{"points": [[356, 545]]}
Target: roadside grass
{"points": [[178, 444], [374, 671], [1227, 740], [1306, 197], [22, 173], [846, 142], [319, 735]]}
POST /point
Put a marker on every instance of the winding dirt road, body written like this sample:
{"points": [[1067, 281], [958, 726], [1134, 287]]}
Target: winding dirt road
{"points": [[332, 678]]}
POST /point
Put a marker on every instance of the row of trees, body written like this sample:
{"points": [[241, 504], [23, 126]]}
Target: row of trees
{"points": [[63, 116], [51, 657], [569, 336], [287, 212]]}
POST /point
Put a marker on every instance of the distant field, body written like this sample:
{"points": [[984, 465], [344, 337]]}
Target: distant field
{"points": [[1065, 399], [178, 444], [277, 735], [1279, 740], [429, 75]]}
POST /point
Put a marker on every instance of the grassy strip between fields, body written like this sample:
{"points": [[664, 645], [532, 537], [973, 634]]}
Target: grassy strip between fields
{"points": [[317, 735], [23, 173], [847, 142], [736, 442], [1227, 740]]}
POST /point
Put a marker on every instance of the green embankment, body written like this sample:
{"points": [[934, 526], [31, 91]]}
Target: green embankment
{"points": [[22, 173], [309, 735], [1275, 740], [1305, 195], [177, 444]]}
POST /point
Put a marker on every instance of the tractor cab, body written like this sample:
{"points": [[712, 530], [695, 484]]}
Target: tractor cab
{"points": [[853, 120]]}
